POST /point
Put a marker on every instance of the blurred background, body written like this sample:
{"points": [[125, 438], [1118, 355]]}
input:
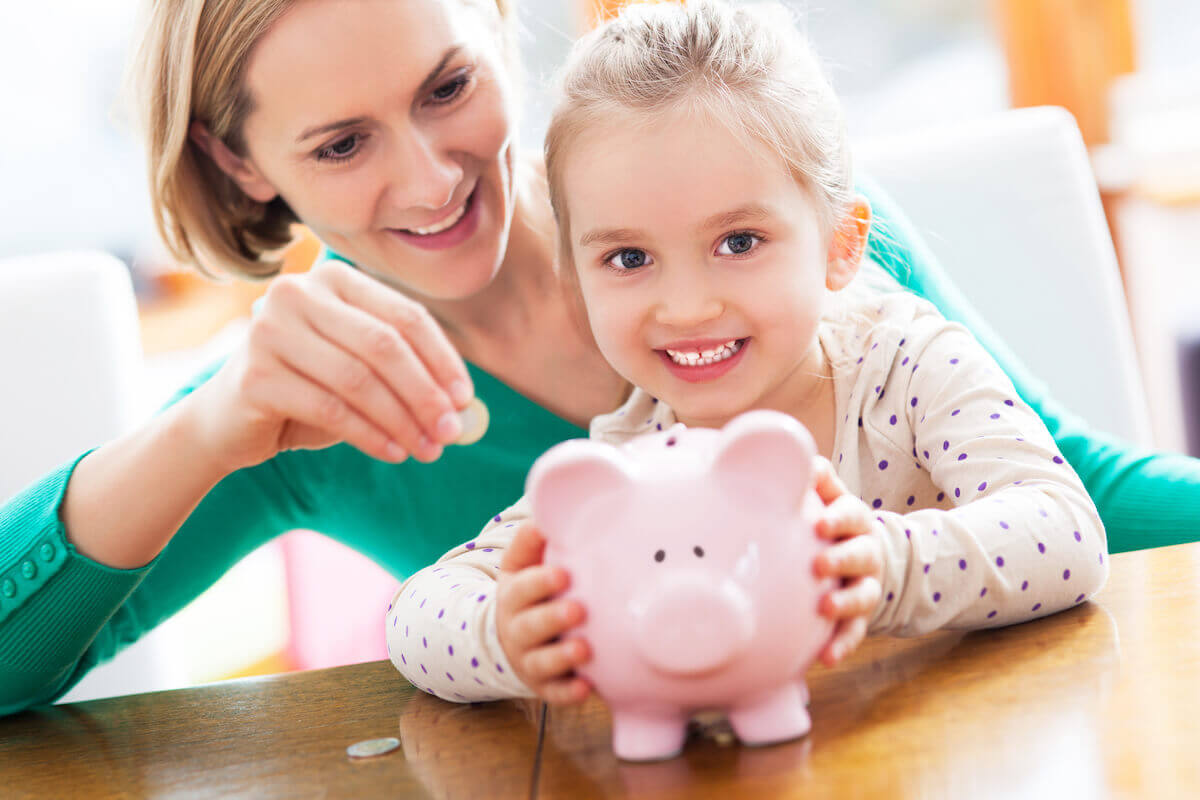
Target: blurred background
{"points": [[71, 177]]}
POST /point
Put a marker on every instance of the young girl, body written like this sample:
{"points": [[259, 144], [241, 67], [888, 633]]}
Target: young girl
{"points": [[699, 172]]}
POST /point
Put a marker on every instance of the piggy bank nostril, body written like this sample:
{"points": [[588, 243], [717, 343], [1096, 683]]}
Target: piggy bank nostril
{"points": [[660, 555], [699, 551]]}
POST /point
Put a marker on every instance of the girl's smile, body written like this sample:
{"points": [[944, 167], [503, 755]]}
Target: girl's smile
{"points": [[703, 265], [700, 361]]}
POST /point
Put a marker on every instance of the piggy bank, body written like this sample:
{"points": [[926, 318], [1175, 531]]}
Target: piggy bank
{"points": [[692, 551]]}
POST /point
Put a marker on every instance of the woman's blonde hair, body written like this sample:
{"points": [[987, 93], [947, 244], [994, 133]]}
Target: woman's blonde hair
{"points": [[747, 67], [190, 66]]}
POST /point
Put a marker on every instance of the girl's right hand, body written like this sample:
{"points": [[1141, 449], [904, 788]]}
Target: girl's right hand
{"points": [[530, 622], [335, 356]]}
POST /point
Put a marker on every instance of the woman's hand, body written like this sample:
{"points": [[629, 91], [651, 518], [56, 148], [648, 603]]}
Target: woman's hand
{"points": [[856, 558], [529, 622], [335, 356]]}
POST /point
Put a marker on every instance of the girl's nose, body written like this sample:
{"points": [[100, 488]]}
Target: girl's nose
{"points": [[688, 302], [425, 176]]}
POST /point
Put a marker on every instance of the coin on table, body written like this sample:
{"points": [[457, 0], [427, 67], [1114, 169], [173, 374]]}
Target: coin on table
{"points": [[474, 419], [372, 747]]}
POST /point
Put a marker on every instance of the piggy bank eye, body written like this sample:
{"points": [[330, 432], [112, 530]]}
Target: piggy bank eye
{"points": [[699, 551], [660, 555]]}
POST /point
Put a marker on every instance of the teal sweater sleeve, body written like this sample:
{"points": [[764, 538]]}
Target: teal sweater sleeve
{"points": [[62, 613], [1145, 499]]}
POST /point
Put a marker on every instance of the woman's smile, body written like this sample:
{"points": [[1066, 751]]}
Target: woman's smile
{"points": [[451, 230]]}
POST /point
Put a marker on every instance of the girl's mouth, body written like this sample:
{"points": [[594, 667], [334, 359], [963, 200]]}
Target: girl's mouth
{"points": [[452, 230], [704, 364]]}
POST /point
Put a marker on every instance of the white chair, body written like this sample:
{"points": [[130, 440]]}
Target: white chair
{"points": [[1009, 205], [71, 357]]}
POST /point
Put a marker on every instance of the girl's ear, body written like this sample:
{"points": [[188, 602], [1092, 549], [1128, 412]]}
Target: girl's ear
{"points": [[239, 169], [848, 244]]}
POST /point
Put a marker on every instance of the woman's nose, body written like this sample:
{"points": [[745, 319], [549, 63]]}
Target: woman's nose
{"points": [[425, 175]]}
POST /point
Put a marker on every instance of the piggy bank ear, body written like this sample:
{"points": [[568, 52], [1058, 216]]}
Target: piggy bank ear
{"points": [[571, 480], [766, 457]]}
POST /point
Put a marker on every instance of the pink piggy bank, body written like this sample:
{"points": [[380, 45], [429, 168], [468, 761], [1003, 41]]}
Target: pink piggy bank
{"points": [[692, 551]]}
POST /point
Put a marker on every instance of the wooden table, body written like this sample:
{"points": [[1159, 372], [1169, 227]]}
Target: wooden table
{"points": [[1101, 701]]}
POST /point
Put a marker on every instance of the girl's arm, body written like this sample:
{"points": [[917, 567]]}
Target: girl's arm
{"points": [[1022, 539], [441, 623], [1146, 499]]}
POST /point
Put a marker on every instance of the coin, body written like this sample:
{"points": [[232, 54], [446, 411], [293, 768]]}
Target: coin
{"points": [[474, 419], [372, 747]]}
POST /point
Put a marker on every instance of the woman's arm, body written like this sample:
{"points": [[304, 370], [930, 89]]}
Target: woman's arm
{"points": [[1146, 499], [67, 612]]}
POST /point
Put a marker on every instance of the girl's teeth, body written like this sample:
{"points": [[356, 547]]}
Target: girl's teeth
{"points": [[448, 222], [705, 357]]}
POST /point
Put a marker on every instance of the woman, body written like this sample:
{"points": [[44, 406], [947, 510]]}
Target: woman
{"points": [[387, 129]]}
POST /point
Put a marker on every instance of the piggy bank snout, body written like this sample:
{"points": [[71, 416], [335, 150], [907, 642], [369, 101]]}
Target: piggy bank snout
{"points": [[689, 623]]}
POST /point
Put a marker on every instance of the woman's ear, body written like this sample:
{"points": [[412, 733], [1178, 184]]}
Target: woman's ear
{"points": [[848, 244], [239, 169]]}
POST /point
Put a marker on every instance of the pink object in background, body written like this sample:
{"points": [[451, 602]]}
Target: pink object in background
{"points": [[692, 552], [334, 598]]}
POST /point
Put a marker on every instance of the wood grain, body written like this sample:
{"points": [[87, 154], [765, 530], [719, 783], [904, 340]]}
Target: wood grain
{"points": [[1101, 701], [281, 736]]}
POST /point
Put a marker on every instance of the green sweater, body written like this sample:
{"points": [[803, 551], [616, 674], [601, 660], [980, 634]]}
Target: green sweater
{"points": [[61, 613]]}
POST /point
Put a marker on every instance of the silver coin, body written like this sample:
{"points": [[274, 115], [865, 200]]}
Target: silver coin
{"points": [[372, 747], [474, 419]]}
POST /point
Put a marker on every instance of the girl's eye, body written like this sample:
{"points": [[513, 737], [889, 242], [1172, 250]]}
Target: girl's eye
{"points": [[628, 260], [737, 244], [448, 91], [342, 149]]}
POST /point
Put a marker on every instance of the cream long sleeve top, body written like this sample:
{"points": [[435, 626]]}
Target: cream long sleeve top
{"points": [[982, 522]]}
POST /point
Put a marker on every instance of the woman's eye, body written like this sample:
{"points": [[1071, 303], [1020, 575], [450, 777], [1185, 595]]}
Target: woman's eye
{"points": [[629, 259], [737, 244], [340, 150], [448, 91]]}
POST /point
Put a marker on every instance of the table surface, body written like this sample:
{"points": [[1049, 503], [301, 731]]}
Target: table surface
{"points": [[1100, 701]]}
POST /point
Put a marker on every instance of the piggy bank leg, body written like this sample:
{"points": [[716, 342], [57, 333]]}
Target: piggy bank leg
{"points": [[776, 716], [648, 736]]}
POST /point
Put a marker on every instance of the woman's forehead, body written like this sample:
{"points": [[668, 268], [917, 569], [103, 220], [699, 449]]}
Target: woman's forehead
{"points": [[327, 56]]}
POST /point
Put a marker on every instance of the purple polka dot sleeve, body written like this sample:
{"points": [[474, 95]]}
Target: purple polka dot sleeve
{"points": [[983, 523], [441, 624]]}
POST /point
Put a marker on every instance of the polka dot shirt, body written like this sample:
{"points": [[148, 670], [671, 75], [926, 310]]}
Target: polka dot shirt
{"points": [[982, 521]]}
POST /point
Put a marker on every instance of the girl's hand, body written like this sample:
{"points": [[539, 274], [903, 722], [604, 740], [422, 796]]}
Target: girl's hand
{"points": [[857, 559], [334, 356], [529, 622]]}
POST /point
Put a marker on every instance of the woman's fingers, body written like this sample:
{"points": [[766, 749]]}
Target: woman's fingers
{"points": [[412, 322], [379, 351], [295, 397], [345, 377]]}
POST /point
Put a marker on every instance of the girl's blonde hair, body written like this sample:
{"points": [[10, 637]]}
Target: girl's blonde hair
{"points": [[746, 67], [190, 66]]}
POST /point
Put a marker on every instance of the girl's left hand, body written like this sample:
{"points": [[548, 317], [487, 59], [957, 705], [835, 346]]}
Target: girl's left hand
{"points": [[856, 558]]}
